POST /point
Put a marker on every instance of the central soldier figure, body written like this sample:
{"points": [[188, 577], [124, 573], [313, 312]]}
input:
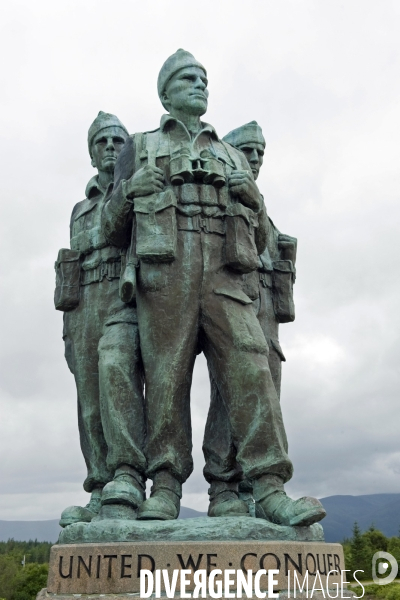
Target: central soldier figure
{"points": [[186, 206]]}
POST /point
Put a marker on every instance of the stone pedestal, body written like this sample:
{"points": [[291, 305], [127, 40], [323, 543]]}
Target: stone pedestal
{"points": [[84, 563]]}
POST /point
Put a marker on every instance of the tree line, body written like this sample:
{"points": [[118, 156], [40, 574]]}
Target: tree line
{"points": [[361, 547], [20, 581]]}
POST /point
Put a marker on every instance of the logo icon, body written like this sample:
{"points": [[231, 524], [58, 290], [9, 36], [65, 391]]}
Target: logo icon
{"points": [[381, 561]]}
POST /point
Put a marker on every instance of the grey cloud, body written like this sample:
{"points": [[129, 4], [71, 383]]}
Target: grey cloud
{"points": [[322, 81]]}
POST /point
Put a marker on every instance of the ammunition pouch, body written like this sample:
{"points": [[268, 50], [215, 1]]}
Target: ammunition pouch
{"points": [[282, 290], [240, 248], [67, 266], [156, 234]]}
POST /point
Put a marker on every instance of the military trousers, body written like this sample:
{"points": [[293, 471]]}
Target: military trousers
{"points": [[196, 300], [218, 447], [103, 353]]}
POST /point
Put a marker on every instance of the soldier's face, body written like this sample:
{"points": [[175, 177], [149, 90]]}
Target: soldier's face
{"points": [[255, 156], [106, 146], [187, 92]]}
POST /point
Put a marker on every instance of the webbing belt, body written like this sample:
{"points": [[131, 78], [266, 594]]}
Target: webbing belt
{"points": [[111, 270], [201, 223]]}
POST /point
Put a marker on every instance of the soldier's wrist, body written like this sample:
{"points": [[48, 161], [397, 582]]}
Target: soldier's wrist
{"points": [[127, 191]]}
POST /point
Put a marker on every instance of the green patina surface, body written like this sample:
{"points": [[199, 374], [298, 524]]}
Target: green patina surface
{"points": [[172, 254]]}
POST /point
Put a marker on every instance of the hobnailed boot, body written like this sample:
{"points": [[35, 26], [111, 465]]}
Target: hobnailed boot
{"points": [[164, 501], [127, 488], [225, 502], [82, 514], [274, 505]]}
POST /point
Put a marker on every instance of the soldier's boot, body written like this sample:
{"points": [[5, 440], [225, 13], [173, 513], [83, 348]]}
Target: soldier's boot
{"points": [[225, 502], [164, 501], [127, 488], [82, 514], [246, 495], [272, 503]]}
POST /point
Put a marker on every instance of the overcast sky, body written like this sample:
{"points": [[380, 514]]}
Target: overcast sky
{"points": [[322, 79]]}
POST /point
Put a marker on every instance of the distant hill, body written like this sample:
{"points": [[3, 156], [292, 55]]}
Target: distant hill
{"points": [[189, 513], [23, 531], [383, 510], [48, 531]]}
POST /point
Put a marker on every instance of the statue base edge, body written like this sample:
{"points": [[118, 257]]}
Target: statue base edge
{"points": [[187, 530]]}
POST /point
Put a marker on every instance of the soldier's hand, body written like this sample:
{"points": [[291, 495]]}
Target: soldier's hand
{"points": [[242, 184], [288, 247], [145, 181]]}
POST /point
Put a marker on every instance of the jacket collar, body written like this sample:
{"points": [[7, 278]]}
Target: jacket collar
{"points": [[93, 188], [169, 123]]}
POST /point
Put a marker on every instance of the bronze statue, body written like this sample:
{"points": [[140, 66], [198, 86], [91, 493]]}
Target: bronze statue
{"points": [[102, 342], [273, 305], [186, 208]]}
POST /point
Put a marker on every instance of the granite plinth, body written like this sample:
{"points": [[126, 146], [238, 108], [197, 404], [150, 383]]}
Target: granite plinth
{"points": [[114, 568], [198, 529]]}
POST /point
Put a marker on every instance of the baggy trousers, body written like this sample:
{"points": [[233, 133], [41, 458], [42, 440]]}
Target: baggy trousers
{"points": [[105, 360], [193, 300], [218, 448]]}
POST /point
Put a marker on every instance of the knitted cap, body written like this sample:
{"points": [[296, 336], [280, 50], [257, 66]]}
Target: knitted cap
{"points": [[246, 134], [102, 121], [180, 60]]}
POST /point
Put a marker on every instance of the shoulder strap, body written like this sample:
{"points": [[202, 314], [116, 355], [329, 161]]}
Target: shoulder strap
{"points": [[226, 146], [139, 139]]}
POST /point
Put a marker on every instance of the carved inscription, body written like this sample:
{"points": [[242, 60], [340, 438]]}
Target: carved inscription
{"points": [[122, 566]]}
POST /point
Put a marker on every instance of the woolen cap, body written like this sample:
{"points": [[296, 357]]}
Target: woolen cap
{"points": [[102, 121], [180, 60], [246, 134]]}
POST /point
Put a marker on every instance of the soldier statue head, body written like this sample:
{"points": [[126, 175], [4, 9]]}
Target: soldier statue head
{"points": [[250, 140], [182, 86], [106, 137]]}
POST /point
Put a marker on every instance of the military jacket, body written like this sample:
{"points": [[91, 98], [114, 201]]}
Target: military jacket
{"points": [[202, 160], [99, 259]]}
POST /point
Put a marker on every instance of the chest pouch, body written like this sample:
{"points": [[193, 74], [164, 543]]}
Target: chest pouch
{"points": [[282, 290], [156, 230], [240, 248], [67, 266]]}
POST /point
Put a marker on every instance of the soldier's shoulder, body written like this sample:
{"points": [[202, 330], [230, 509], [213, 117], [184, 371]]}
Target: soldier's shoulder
{"points": [[236, 154], [77, 209], [134, 135], [78, 206]]}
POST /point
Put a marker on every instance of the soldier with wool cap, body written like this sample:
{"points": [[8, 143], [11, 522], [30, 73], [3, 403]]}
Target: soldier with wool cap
{"points": [[197, 225], [250, 140], [102, 344], [180, 60], [280, 253], [104, 121]]}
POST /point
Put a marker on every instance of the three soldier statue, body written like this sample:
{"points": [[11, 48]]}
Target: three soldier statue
{"points": [[172, 254]]}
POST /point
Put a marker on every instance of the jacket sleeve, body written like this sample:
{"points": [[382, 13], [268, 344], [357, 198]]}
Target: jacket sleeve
{"points": [[263, 230], [72, 219], [117, 212]]}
